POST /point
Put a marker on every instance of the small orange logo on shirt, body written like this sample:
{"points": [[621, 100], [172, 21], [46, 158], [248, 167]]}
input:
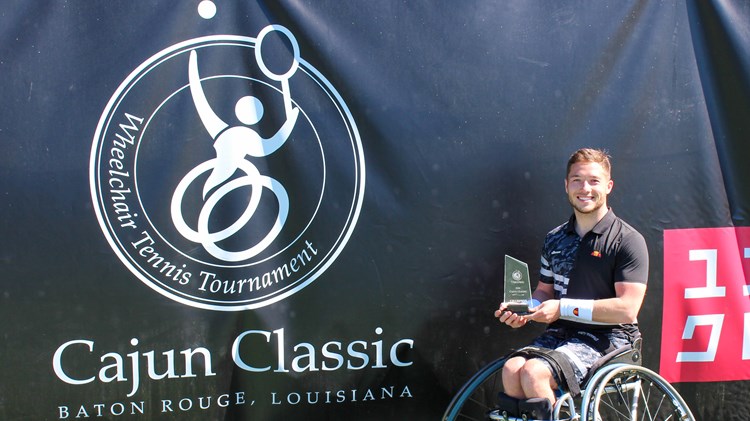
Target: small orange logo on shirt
{"points": [[596, 253]]}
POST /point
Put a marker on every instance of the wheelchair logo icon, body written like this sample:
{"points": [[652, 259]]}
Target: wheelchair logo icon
{"points": [[232, 145], [210, 171]]}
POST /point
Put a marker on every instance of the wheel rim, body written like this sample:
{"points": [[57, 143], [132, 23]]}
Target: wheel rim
{"points": [[636, 394]]}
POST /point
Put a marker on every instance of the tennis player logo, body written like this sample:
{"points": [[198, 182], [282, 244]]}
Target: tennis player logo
{"points": [[232, 145], [210, 170]]}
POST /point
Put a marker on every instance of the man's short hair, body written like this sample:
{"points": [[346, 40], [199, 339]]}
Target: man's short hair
{"points": [[598, 156]]}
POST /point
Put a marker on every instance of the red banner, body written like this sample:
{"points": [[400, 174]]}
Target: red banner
{"points": [[706, 325]]}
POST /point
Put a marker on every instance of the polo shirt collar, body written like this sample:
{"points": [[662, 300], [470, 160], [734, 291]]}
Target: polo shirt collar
{"points": [[600, 228]]}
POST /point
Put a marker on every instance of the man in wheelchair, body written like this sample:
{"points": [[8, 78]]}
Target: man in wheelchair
{"points": [[594, 270]]}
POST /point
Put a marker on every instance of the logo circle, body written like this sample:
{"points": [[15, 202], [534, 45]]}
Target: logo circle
{"points": [[209, 174]]}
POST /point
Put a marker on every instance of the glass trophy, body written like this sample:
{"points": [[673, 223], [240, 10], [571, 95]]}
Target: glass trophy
{"points": [[517, 294]]}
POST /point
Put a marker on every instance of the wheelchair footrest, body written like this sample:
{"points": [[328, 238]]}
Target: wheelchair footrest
{"points": [[496, 415]]}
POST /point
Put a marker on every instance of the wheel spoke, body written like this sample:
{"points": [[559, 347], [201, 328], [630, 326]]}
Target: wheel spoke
{"points": [[636, 394]]}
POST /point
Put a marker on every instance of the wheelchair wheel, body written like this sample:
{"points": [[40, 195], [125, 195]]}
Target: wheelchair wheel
{"points": [[478, 395], [628, 392]]}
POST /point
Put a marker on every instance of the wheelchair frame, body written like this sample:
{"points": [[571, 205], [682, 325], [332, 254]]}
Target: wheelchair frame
{"points": [[616, 376]]}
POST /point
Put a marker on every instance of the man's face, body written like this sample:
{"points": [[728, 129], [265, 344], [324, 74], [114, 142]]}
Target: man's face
{"points": [[588, 185]]}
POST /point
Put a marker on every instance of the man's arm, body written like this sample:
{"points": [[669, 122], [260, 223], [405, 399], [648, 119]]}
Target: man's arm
{"points": [[621, 309], [543, 292]]}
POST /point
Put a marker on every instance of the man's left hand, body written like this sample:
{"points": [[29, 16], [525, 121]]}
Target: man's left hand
{"points": [[546, 312]]}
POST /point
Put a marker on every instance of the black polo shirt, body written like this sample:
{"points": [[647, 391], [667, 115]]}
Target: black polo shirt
{"points": [[589, 267]]}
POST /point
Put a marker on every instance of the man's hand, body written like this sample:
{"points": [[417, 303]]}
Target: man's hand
{"points": [[510, 318], [546, 312]]}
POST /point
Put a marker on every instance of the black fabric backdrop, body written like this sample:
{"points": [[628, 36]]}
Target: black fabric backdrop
{"points": [[467, 112]]}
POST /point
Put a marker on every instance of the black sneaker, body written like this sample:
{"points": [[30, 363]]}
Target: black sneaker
{"points": [[536, 408], [506, 405]]}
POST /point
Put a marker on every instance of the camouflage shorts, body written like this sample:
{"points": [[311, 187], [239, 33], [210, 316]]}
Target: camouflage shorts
{"points": [[582, 348]]}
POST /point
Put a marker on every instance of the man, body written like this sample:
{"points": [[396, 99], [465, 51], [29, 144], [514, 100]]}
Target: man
{"points": [[593, 281]]}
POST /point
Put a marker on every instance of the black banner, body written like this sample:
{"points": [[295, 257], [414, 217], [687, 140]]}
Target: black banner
{"points": [[267, 210]]}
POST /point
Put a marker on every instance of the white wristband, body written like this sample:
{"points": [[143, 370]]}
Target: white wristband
{"points": [[576, 310]]}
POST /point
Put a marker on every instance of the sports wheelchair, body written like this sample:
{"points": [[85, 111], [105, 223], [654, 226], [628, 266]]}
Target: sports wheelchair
{"points": [[617, 388]]}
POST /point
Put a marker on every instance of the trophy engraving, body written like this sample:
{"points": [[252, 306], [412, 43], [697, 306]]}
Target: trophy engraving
{"points": [[517, 286]]}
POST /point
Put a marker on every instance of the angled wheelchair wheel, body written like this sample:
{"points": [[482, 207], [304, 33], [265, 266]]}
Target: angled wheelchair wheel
{"points": [[628, 392], [478, 395]]}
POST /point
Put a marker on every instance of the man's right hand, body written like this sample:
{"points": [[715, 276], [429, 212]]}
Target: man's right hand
{"points": [[509, 318]]}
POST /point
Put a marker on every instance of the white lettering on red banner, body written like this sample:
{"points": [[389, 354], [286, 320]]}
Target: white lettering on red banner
{"points": [[706, 319]]}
